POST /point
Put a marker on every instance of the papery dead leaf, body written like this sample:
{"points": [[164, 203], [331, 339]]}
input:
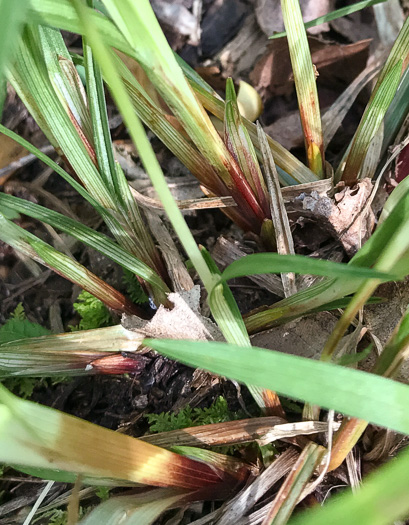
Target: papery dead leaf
{"points": [[346, 218], [184, 321]]}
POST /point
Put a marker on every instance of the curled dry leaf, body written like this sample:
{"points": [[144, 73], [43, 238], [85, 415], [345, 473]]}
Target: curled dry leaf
{"points": [[347, 218], [184, 321]]}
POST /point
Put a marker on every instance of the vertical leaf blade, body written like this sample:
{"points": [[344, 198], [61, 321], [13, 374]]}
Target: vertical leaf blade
{"points": [[305, 84]]}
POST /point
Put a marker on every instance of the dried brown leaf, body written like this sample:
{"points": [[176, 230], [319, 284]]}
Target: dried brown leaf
{"points": [[347, 218], [337, 65]]}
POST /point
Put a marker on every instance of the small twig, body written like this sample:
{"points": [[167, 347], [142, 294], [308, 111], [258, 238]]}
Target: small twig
{"points": [[188, 204]]}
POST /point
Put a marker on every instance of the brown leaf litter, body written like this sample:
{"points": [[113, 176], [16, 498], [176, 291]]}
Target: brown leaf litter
{"points": [[346, 218]]}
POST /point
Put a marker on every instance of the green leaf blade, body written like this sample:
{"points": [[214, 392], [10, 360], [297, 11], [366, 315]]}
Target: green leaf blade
{"points": [[346, 390], [262, 263]]}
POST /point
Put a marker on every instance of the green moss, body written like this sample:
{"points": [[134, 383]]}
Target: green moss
{"points": [[93, 313], [218, 412]]}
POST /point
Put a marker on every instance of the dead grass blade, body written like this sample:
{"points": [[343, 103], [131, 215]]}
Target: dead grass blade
{"points": [[264, 430], [283, 236]]}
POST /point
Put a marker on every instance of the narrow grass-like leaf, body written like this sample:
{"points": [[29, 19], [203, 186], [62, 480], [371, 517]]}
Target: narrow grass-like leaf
{"points": [[65, 17], [13, 16], [227, 314], [291, 490], [99, 117], [78, 274], [74, 353], [238, 142], [382, 499], [370, 123], [224, 307], [333, 15], [259, 263], [32, 435], [397, 112], [305, 84], [96, 240], [40, 251], [331, 386], [67, 84], [30, 79]]}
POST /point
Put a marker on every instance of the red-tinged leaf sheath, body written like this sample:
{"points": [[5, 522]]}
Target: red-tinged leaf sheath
{"points": [[242, 220], [117, 364], [243, 187], [239, 145], [131, 459]]}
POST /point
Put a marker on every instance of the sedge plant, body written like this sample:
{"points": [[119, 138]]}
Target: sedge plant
{"points": [[240, 163]]}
